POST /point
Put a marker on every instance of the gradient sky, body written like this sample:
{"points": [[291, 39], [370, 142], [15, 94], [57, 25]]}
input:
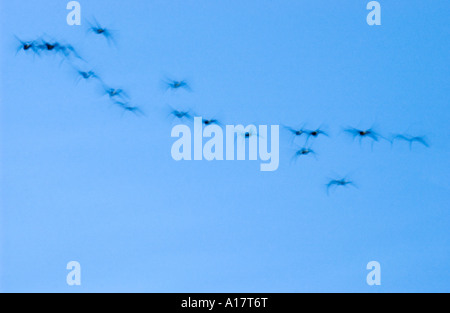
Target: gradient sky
{"points": [[80, 181]]}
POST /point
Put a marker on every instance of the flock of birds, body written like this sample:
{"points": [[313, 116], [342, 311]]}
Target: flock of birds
{"points": [[120, 98]]}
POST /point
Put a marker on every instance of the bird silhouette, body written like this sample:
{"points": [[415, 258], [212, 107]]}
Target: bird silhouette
{"points": [[177, 84], [343, 182], [412, 139], [99, 30]]}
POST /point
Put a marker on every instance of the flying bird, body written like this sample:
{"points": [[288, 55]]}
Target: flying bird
{"points": [[315, 133], [177, 84], [47, 46], [87, 75], [97, 29], [303, 152], [208, 122], [65, 50], [26, 46], [361, 134], [135, 110], [296, 132], [339, 183], [130, 108], [115, 93], [249, 134], [412, 139], [180, 114]]}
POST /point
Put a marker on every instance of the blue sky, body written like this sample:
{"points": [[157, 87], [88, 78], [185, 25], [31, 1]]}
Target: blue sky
{"points": [[80, 181]]}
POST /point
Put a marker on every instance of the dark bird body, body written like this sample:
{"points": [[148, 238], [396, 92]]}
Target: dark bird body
{"points": [[210, 122]]}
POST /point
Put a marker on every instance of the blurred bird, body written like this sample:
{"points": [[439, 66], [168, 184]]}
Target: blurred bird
{"points": [[369, 133], [303, 152], [207, 122], [180, 114], [65, 50], [129, 108], [252, 132], [115, 93], [89, 75], [412, 139], [47, 46], [177, 84], [315, 133], [26, 46], [295, 132], [68, 51], [97, 29], [135, 110], [339, 183]]}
